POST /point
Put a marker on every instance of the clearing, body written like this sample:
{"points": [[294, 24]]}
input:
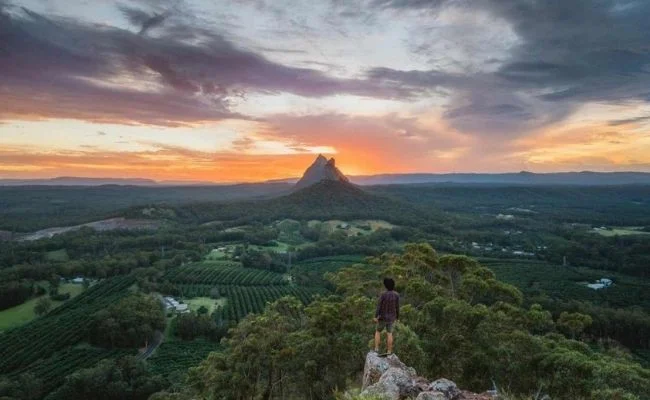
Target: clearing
{"points": [[620, 231], [196, 303], [23, 313], [352, 228], [100, 226]]}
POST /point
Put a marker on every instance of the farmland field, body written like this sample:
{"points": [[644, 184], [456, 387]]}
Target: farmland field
{"points": [[60, 328], [53, 370], [196, 303], [205, 273], [22, 314], [568, 283], [178, 356], [620, 231]]}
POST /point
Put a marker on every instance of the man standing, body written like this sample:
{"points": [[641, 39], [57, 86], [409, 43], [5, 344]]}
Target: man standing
{"points": [[387, 313]]}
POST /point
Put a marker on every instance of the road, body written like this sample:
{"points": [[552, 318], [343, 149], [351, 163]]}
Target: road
{"points": [[157, 340]]}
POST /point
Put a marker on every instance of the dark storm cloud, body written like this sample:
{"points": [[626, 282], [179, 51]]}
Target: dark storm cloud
{"points": [[569, 53], [142, 19], [68, 69]]}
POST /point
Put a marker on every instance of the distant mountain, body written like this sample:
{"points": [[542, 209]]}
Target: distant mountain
{"points": [[78, 181], [81, 181], [321, 170], [516, 178]]}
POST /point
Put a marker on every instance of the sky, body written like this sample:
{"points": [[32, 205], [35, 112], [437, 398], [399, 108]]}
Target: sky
{"points": [[249, 90]]}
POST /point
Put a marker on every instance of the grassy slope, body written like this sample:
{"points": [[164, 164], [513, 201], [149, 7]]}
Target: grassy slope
{"points": [[22, 314]]}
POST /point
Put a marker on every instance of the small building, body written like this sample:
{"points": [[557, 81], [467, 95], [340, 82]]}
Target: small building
{"points": [[601, 283], [183, 308], [78, 280], [596, 286]]}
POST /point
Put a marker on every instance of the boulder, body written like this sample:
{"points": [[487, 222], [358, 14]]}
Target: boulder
{"points": [[431, 396], [445, 386], [384, 390], [403, 379], [390, 379], [376, 366]]}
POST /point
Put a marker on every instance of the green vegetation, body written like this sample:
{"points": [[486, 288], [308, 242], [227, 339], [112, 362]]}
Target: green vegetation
{"points": [[623, 231], [65, 326], [177, 357], [537, 278], [121, 378], [201, 273], [209, 303], [129, 323], [243, 300], [323, 248], [458, 321], [23, 313], [50, 373], [57, 255]]}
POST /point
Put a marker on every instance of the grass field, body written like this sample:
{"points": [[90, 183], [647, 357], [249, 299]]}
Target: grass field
{"points": [[216, 255], [209, 303], [352, 228], [621, 231], [21, 314], [57, 255]]}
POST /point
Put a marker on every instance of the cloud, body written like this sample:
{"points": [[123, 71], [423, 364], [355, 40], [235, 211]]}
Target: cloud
{"points": [[64, 68], [142, 19], [365, 144], [630, 121], [567, 53]]}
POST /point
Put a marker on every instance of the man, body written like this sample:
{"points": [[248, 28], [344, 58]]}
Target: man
{"points": [[386, 315]]}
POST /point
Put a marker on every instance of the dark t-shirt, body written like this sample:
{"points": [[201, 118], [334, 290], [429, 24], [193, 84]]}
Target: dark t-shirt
{"points": [[388, 307]]}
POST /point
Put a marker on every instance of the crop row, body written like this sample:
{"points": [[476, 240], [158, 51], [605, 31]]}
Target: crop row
{"points": [[52, 371], [64, 326], [178, 356], [223, 275], [243, 300]]}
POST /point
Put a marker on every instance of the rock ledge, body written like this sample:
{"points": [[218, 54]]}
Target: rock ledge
{"points": [[390, 379]]}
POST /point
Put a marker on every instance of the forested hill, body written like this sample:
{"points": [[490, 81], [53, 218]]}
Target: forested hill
{"points": [[326, 199]]}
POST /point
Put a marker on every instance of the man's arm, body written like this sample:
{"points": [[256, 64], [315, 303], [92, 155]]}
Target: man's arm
{"points": [[378, 311], [397, 308]]}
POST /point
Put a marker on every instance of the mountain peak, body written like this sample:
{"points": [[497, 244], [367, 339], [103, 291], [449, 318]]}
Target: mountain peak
{"points": [[321, 169]]}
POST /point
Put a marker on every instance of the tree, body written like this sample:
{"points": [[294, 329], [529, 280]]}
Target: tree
{"points": [[129, 323], [203, 310], [574, 323], [124, 378], [43, 305]]}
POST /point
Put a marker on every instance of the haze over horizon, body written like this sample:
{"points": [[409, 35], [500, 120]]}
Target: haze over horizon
{"points": [[254, 90]]}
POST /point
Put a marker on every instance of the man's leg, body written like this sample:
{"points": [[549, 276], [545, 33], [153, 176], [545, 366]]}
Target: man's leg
{"points": [[377, 340], [389, 343]]}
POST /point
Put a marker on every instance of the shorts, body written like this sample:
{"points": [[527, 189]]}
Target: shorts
{"points": [[381, 325]]}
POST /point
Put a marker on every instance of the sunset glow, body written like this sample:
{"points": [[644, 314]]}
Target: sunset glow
{"points": [[248, 91]]}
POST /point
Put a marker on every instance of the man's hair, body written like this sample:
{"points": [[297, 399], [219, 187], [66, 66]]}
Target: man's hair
{"points": [[389, 283]]}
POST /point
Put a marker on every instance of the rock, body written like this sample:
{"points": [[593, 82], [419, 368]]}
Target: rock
{"points": [[445, 386], [321, 170], [403, 379], [431, 396], [390, 379], [384, 390], [376, 366]]}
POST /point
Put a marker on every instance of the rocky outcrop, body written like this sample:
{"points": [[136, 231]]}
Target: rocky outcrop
{"points": [[390, 379], [321, 170]]}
